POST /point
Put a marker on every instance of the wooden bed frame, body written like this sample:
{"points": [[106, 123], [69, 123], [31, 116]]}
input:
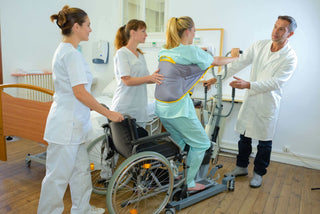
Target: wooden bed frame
{"points": [[22, 117]]}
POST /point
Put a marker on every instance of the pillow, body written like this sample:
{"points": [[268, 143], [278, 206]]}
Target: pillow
{"points": [[110, 88]]}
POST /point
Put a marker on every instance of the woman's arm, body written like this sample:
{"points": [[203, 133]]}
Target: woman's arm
{"points": [[87, 99], [220, 60], [132, 81]]}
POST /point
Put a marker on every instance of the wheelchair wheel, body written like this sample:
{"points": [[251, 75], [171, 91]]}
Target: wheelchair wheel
{"points": [[99, 185], [149, 188]]}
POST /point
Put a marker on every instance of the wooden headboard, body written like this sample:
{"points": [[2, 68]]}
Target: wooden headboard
{"points": [[22, 117]]}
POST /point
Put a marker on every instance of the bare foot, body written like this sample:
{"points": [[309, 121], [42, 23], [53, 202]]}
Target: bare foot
{"points": [[178, 177], [197, 187]]}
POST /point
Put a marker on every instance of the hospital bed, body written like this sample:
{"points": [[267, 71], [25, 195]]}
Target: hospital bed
{"points": [[26, 118], [21, 117]]}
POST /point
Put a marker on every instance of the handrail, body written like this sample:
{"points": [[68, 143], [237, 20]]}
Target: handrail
{"points": [[27, 86]]}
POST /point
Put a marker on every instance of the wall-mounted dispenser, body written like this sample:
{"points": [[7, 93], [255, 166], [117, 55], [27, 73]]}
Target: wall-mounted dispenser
{"points": [[100, 52]]}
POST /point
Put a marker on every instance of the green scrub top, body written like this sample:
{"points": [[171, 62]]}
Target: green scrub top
{"points": [[185, 55]]}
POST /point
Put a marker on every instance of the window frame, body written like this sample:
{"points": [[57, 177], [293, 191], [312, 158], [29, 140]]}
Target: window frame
{"points": [[143, 15]]}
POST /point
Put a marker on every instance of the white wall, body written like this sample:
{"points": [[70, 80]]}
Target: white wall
{"points": [[250, 20], [105, 18], [29, 40]]}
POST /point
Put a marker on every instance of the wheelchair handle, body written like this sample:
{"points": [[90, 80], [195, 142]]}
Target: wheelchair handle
{"points": [[225, 66], [205, 96]]}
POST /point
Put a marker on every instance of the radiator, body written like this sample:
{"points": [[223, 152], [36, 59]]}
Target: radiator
{"points": [[43, 80]]}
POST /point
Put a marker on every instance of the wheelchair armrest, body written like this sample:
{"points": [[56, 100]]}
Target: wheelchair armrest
{"points": [[151, 138]]}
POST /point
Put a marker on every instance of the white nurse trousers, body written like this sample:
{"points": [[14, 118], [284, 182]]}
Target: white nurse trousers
{"points": [[66, 164]]}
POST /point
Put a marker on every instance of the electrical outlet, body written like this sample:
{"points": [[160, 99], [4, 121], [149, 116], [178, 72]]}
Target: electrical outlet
{"points": [[286, 149]]}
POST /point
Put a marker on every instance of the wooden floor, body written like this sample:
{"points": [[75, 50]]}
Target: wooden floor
{"points": [[285, 188]]}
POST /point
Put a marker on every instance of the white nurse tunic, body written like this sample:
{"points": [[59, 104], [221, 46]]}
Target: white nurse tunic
{"points": [[130, 100]]}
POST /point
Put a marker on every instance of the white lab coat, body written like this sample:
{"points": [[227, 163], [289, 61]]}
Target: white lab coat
{"points": [[130, 100], [270, 70]]}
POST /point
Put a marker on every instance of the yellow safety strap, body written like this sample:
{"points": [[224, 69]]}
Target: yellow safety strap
{"points": [[167, 58]]}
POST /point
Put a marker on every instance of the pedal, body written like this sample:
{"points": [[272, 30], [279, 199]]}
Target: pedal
{"points": [[207, 183]]}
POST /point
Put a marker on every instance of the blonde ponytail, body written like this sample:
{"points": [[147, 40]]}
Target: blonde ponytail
{"points": [[175, 29]]}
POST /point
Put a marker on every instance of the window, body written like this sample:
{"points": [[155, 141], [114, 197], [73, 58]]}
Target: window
{"points": [[153, 12]]}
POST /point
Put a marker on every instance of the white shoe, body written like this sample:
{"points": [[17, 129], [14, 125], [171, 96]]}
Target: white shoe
{"points": [[238, 171], [256, 180], [96, 210]]}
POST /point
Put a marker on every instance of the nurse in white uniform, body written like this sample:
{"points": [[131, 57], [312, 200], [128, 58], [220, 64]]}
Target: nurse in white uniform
{"points": [[273, 62], [131, 72], [69, 120]]}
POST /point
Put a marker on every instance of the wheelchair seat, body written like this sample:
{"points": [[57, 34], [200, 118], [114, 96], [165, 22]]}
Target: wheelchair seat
{"points": [[129, 139]]}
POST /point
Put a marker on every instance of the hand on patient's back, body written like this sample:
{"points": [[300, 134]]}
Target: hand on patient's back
{"points": [[156, 77]]}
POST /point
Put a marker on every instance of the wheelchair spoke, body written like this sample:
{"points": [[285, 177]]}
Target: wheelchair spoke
{"points": [[101, 170], [148, 189]]}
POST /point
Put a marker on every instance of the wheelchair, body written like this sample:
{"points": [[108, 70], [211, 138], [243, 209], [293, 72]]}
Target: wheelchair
{"points": [[102, 166], [152, 178]]}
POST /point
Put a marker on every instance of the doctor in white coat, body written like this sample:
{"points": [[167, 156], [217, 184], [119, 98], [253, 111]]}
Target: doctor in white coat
{"points": [[272, 64]]}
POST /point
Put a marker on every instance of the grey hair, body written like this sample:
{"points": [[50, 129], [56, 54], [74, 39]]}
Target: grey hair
{"points": [[292, 21]]}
